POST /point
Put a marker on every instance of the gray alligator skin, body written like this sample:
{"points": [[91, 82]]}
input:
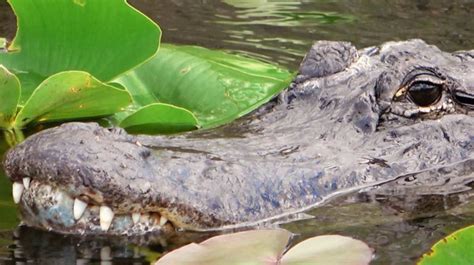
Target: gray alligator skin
{"points": [[351, 119]]}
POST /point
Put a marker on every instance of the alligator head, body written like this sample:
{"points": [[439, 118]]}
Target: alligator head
{"points": [[351, 119]]}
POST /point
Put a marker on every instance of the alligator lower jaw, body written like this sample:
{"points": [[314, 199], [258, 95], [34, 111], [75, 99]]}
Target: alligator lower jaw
{"points": [[50, 208]]}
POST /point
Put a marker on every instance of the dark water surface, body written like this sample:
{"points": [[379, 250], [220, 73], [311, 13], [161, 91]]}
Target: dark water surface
{"points": [[399, 228]]}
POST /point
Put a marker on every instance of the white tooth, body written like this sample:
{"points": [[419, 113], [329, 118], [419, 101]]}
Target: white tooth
{"points": [[105, 254], [79, 208], [163, 221], [106, 217], [17, 191], [26, 182], [82, 262], [135, 217]]}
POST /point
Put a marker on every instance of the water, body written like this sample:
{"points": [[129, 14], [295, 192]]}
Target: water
{"points": [[399, 229]]}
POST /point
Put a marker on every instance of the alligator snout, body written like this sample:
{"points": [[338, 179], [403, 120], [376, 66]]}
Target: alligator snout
{"points": [[57, 180]]}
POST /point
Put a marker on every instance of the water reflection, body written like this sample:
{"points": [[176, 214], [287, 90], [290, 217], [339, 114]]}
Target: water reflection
{"points": [[256, 24], [279, 14], [399, 228], [282, 30], [28, 245]]}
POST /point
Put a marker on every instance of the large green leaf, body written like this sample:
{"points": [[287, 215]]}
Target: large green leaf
{"points": [[104, 38], [457, 248], [160, 118], [9, 96], [216, 86], [71, 95], [267, 247]]}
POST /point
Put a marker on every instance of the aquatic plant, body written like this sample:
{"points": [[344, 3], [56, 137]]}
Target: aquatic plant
{"points": [[457, 248], [217, 87], [61, 51], [87, 59]]}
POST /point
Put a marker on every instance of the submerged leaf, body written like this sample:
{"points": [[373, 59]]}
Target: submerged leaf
{"points": [[457, 248], [71, 95], [216, 86], [160, 118], [9, 96], [266, 247], [104, 38]]}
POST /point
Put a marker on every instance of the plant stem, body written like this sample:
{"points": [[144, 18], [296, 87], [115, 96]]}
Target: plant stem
{"points": [[14, 136]]}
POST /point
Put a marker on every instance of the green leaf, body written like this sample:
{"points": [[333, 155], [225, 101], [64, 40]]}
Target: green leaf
{"points": [[160, 118], [457, 248], [216, 86], [104, 38], [9, 96], [71, 95], [266, 247]]}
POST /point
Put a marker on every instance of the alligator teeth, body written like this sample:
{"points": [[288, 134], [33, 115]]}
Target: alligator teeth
{"points": [[26, 182], [106, 217], [79, 208], [17, 192], [163, 221], [135, 217]]}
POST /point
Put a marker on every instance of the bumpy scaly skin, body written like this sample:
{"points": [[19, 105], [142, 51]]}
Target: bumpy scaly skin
{"points": [[344, 123]]}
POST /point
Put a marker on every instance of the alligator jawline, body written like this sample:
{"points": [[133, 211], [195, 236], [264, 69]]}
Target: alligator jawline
{"points": [[52, 208]]}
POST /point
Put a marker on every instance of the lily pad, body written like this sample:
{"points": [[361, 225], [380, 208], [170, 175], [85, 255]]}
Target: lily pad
{"points": [[217, 87], [71, 95], [457, 248], [104, 38], [267, 247], [332, 249], [160, 118], [9, 95]]}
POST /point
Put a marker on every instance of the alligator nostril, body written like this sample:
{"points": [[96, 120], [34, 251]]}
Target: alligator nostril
{"points": [[465, 99]]}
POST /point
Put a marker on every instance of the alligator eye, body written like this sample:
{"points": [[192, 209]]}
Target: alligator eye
{"points": [[424, 94]]}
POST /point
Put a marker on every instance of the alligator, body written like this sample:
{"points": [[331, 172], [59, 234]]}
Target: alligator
{"points": [[351, 119]]}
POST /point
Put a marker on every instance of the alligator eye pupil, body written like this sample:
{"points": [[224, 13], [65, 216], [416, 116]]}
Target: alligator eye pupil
{"points": [[425, 94]]}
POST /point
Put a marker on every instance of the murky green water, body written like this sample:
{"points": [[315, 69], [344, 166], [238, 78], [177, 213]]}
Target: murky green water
{"points": [[399, 229]]}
